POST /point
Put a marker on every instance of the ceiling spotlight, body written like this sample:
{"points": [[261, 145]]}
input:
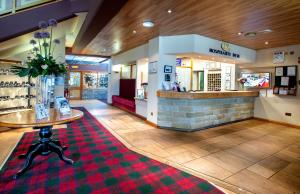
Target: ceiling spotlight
{"points": [[169, 11], [266, 43], [240, 33], [148, 23], [134, 31]]}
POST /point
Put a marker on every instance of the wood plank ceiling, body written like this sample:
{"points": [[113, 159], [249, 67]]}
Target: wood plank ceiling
{"points": [[220, 19]]}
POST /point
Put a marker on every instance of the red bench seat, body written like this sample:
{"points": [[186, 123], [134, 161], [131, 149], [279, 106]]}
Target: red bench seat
{"points": [[124, 103]]}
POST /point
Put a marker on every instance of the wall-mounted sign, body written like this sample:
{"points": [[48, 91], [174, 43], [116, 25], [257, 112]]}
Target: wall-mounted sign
{"points": [[225, 46], [278, 57], [167, 69], [225, 50], [178, 61]]}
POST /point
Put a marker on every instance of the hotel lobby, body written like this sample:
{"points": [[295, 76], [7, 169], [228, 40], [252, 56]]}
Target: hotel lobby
{"points": [[129, 96]]}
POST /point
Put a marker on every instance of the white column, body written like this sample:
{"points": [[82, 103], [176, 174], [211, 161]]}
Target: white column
{"points": [[113, 81], [155, 80]]}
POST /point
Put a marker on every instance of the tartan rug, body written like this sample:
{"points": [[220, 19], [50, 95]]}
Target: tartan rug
{"points": [[102, 165]]}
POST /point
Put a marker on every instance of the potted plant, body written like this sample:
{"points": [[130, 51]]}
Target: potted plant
{"points": [[43, 65]]}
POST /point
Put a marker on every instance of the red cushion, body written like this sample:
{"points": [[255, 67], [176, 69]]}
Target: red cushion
{"points": [[127, 104]]}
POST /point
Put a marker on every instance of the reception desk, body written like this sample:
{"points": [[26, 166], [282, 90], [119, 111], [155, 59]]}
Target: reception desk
{"points": [[190, 111]]}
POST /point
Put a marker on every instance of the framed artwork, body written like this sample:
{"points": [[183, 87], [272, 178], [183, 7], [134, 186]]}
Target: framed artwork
{"points": [[152, 67], [167, 69], [291, 71], [279, 71], [167, 77], [284, 81], [278, 57]]}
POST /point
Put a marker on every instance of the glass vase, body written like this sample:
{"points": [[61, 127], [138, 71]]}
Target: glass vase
{"points": [[45, 91]]}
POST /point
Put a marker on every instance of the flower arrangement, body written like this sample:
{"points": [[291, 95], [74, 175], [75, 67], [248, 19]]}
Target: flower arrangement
{"points": [[242, 80], [43, 63]]}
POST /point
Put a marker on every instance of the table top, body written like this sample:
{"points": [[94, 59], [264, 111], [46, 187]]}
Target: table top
{"points": [[27, 119]]}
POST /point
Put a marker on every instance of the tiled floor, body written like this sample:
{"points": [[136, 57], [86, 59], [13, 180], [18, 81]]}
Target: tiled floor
{"points": [[249, 156]]}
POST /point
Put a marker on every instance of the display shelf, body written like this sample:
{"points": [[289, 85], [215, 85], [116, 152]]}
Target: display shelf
{"points": [[16, 93], [214, 81]]}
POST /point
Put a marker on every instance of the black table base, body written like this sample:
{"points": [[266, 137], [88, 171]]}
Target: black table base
{"points": [[44, 147]]}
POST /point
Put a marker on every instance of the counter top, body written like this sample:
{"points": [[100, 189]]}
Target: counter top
{"points": [[210, 94]]}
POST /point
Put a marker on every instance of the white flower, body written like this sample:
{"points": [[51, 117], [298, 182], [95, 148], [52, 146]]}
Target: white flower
{"points": [[44, 66]]}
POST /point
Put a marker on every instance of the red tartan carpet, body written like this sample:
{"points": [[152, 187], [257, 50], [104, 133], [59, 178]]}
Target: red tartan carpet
{"points": [[102, 165]]}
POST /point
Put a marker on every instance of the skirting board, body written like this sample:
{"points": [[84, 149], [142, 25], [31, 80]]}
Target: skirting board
{"points": [[278, 122]]}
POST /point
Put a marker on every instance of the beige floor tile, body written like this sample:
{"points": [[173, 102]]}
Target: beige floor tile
{"points": [[253, 182], [208, 168], [293, 169], [201, 148], [155, 150], [176, 150], [269, 166], [248, 152], [228, 161], [287, 181], [182, 157]]}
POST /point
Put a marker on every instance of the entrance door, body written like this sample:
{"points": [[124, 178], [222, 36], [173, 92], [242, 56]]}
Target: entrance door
{"points": [[75, 85]]}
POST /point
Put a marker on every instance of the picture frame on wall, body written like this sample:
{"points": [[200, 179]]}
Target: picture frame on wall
{"points": [[167, 69], [278, 57], [152, 67]]}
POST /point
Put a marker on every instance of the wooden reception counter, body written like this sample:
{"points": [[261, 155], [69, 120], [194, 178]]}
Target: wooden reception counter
{"points": [[190, 111], [200, 95]]}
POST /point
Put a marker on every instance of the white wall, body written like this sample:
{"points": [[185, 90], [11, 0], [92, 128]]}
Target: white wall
{"points": [[274, 107], [132, 55], [113, 81], [197, 44], [142, 71]]}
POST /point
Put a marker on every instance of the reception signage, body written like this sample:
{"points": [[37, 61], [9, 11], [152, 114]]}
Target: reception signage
{"points": [[225, 50]]}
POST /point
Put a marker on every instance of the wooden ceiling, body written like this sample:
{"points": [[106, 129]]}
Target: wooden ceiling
{"points": [[220, 19]]}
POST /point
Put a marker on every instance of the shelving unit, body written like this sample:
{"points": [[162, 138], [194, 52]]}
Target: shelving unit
{"points": [[214, 81], [16, 93]]}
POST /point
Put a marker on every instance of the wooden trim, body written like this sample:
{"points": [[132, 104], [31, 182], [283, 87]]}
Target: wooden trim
{"points": [[151, 123], [133, 113], [277, 122], [206, 95]]}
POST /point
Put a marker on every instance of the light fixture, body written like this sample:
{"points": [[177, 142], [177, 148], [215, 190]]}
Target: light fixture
{"points": [[134, 31], [148, 23], [266, 43], [169, 11], [240, 33], [250, 34], [267, 30]]}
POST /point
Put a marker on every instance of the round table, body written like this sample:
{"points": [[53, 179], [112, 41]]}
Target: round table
{"points": [[46, 144]]}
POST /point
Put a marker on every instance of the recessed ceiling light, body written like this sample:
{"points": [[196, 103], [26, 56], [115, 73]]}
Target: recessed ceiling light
{"points": [[134, 31], [240, 33], [250, 34], [267, 30], [266, 43], [169, 11], [148, 23]]}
